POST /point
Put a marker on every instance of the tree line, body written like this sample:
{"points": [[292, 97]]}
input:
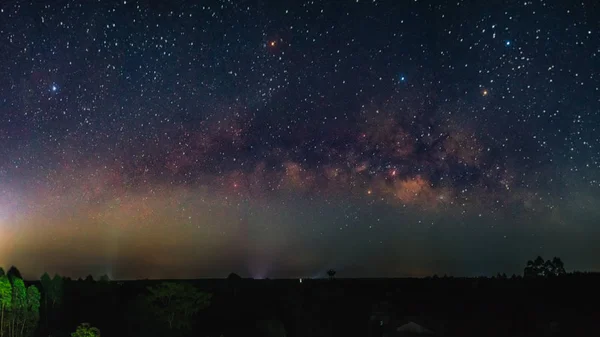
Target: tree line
{"points": [[19, 305], [541, 268], [173, 305]]}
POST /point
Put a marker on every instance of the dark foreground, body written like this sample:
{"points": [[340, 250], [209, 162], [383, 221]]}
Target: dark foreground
{"points": [[561, 306]]}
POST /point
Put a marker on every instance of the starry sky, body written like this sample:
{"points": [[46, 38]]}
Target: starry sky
{"points": [[180, 139]]}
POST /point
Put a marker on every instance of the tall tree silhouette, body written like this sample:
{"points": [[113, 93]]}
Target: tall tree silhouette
{"points": [[331, 273], [14, 272], [56, 292], [46, 282], [32, 311], [233, 283]]}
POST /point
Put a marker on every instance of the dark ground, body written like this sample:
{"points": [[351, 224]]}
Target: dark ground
{"points": [[559, 306]]}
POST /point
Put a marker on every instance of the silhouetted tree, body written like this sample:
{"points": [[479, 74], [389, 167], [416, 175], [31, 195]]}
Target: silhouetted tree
{"points": [[534, 268], [32, 313], [559, 267], [528, 271], [14, 272], [46, 282], [538, 265], [56, 291], [86, 330], [271, 328], [541, 268], [233, 283], [89, 278], [176, 303], [501, 276], [548, 268], [331, 274], [234, 276]]}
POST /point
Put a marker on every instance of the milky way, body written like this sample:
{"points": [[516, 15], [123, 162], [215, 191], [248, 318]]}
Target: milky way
{"points": [[399, 138]]}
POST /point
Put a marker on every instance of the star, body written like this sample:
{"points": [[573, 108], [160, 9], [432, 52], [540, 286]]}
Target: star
{"points": [[293, 122]]}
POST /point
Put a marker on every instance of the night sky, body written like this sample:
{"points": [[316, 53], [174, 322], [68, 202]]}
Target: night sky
{"points": [[281, 139]]}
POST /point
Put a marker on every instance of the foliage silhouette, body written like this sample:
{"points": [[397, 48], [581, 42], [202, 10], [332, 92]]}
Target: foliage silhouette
{"points": [[14, 272], [176, 303], [56, 290], [46, 282], [541, 268], [32, 316], [559, 266], [271, 328], [331, 273], [234, 276], [86, 330]]}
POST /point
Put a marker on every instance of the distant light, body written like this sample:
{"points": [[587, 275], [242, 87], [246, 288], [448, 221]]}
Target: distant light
{"points": [[507, 43], [272, 43], [300, 280], [369, 192], [54, 87], [485, 92], [402, 78]]}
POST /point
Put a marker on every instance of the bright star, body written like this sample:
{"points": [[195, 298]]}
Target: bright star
{"points": [[507, 43]]}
